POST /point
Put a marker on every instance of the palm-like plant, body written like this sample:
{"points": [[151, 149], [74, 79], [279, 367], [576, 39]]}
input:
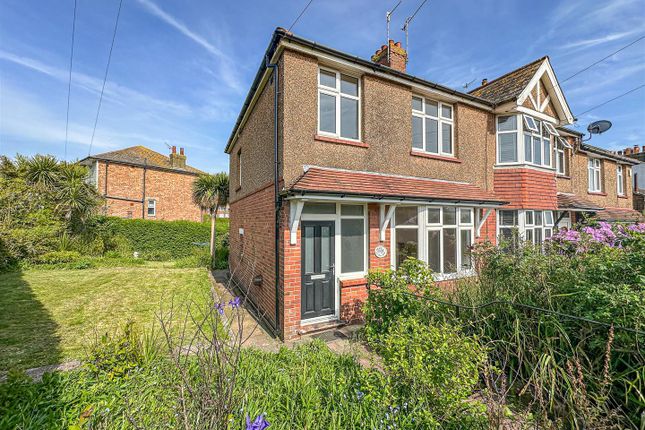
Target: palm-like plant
{"points": [[210, 192]]}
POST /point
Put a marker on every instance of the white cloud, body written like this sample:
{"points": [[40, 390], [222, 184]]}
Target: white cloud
{"points": [[587, 43], [227, 72]]}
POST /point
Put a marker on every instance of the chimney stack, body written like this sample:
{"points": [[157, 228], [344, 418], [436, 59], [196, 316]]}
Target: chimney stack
{"points": [[628, 151], [177, 161], [636, 149], [484, 82], [398, 56]]}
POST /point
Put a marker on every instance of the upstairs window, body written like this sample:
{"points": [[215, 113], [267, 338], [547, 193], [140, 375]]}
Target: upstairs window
{"points": [[432, 127], [152, 207], [594, 175], [507, 139], [561, 156], [620, 181], [537, 141], [338, 105]]}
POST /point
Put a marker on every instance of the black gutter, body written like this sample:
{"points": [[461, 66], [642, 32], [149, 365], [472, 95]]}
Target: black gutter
{"points": [[599, 151], [301, 193], [281, 33], [277, 200]]}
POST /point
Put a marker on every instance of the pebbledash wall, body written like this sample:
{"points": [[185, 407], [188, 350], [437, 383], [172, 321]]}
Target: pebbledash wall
{"points": [[171, 191]]}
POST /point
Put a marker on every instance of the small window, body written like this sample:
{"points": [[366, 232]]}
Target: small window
{"points": [[152, 207], [594, 175], [549, 127], [319, 208], [530, 124], [620, 182], [434, 215], [239, 168]]}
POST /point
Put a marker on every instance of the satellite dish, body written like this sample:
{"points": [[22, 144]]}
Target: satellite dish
{"points": [[599, 127]]}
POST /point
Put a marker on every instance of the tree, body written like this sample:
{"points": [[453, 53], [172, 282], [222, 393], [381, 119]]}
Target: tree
{"points": [[210, 192]]}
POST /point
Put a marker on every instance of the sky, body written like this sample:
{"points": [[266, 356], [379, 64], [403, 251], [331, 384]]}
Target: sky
{"points": [[180, 70]]}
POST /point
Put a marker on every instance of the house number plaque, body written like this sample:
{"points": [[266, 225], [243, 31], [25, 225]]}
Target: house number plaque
{"points": [[380, 251]]}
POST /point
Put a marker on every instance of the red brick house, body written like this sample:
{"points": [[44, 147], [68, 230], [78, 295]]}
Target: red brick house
{"points": [[341, 165], [138, 182]]}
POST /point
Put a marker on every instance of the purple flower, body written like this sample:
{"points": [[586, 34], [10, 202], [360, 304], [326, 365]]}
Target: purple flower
{"points": [[235, 303], [220, 308], [260, 423]]}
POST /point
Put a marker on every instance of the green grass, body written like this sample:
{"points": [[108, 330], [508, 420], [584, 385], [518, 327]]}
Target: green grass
{"points": [[51, 316]]}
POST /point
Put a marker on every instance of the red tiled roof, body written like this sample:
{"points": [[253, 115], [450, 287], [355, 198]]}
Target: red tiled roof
{"points": [[335, 181], [142, 156], [620, 214], [573, 202]]}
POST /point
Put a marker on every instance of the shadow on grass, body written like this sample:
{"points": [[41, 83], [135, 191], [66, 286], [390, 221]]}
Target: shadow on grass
{"points": [[27, 329]]}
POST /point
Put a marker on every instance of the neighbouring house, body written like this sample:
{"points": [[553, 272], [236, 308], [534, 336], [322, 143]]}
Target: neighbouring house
{"points": [[138, 182], [341, 165], [638, 175]]}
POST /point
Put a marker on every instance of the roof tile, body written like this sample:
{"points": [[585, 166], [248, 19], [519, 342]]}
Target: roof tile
{"points": [[510, 85], [142, 156]]}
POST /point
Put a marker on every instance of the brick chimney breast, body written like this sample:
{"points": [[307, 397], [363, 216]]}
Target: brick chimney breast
{"points": [[398, 56], [177, 161]]}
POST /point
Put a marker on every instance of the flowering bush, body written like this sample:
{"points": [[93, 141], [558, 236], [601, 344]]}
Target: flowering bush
{"points": [[590, 237]]}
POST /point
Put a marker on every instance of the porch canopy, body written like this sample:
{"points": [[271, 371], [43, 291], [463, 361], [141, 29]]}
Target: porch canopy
{"points": [[323, 183], [574, 203], [619, 215]]}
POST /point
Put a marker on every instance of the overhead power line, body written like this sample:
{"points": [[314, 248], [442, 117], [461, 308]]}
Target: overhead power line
{"points": [[107, 68], [604, 58], [611, 100], [69, 84], [301, 13]]}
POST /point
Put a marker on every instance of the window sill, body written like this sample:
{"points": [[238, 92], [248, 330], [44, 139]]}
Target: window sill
{"points": [[561, 176], [344, 283], [435, 157], [622, 196], [340, 141], [597, 193]]}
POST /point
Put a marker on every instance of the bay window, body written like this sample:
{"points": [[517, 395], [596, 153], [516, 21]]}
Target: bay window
{"points": [[535, 138], [594, 175], [620, 181], [446, 239], [432, 127], [507, 139], [338, 105]]}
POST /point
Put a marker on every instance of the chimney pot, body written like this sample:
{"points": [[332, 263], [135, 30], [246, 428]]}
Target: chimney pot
{"points": [[484, 82], [181, 151], [397, 58], [643, 148], [174, 149], [636, 149], [628, 151], [398, 44]]}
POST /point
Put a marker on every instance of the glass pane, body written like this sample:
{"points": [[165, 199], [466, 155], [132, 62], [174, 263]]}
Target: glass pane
{"points": [[432, 136], [560, 162], [348, 118], [547, 233], [449, 216], [538, 217], [327, 113], [325, 243], [446, 138], [406, 244], [446, 111], [547, 152], [417, 132], [528, 153], [528, 217], [319, 208], [537, 150], [406, 215], [449, 250], [432, 108], [328, 79], [507, 147], [465, 243], [507, 123], [538, 236], [352, 245], [434, 250], [417, 104], [349, 85], [434, 216], [466, 216], [309, 249], [528, 236], [356, 210], [507, 218], [548, 218]]}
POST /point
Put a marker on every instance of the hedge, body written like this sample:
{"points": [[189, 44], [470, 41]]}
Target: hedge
{"points": [[162, 240]]}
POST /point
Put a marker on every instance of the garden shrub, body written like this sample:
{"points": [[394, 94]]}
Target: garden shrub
{"points": [[56, 257]]}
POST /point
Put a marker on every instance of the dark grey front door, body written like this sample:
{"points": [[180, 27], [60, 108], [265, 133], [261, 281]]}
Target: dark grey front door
{"points": [[318, 289]]}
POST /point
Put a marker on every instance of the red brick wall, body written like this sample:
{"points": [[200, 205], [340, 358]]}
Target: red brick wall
{"points": [[171, 190], [252, 253], [526, 188]]}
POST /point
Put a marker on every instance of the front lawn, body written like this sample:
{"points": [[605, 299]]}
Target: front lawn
{"points": [[50, 316]]}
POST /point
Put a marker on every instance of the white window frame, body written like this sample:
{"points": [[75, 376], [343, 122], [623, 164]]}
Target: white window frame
{"points": [[341, 217], [336, 93], [154, 208], [526, 221], [620, 180], [440, 121], [542, 133], [423, 227], [530, 124], [560, 150], [594, 175], [517, 132]]}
